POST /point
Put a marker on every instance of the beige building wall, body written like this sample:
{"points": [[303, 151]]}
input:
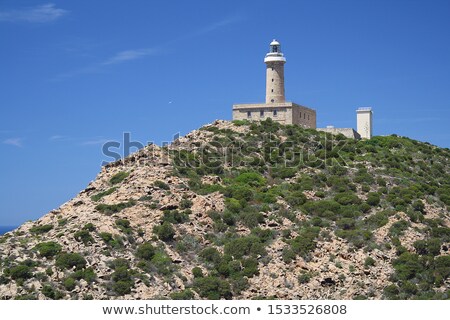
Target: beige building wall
{"points": [[284, 113], [364, 122]]}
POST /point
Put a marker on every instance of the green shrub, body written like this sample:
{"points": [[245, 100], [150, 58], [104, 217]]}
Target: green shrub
{"points": [[304, 277], [51, 293], [251, 218], [347, 198], [407, 266], [69, 283], [175, 216], [165, 231], [145, 251], [431, 246], [373, 199], [398, 228], [322, 208], [244, 246], [186, 204], [305, 242], [369, 262], [83, 236], [98, 196], [119, 177], [377, 220], [48, 249], [41, 229], [296, 198], [211, 254], [70, 260], [124, 226], [212, 288], [186, 294], [197, 272], [161, 185], [109, 209], [111, 240], [253, 179], [20, 272]]}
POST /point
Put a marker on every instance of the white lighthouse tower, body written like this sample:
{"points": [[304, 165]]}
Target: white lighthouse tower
{"points": [[276, 107], [275, 61]]}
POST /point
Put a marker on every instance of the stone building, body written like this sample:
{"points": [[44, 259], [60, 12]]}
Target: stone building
{"points": [[278, 109], [276, 106]]}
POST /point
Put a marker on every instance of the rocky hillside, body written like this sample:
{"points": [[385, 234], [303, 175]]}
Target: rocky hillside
{"points": [[246, 211]]}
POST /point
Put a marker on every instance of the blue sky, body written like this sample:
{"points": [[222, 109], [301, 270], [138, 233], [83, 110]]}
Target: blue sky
{"points": [[74, 74]]}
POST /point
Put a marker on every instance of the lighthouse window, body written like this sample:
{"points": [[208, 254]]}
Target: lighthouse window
{"points": [[249, 114], [274, 49], [272, 80], [261, 113], [274, 113], [272, 90]]}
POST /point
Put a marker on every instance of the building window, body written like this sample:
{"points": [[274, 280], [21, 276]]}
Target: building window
{"points": [[272, 90], [274, 113], [261, 113], [308, 116], [272, 69], [272, 80], [304, 116], [249, 114], [300, 115], [272, 100]]}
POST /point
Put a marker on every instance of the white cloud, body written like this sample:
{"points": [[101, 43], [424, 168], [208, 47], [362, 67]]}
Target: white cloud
{"points": [[128, 55], [39, 14], [94, 142], [17, 142]]}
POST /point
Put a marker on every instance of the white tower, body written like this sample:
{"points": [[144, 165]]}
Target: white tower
{"points": [[275, 74], [364, 122]]}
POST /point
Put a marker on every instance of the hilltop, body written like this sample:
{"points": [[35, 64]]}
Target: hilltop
{"points": [[240, 210]]}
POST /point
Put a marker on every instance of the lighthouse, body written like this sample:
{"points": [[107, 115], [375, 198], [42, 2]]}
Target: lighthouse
{"points": [[276, 107], [275, 61]]}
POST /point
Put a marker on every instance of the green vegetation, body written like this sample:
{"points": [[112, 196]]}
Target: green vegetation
{"points": [[41, 229], [51, 293], [83, 236], [165, 231], [122, 277], [70, 260], [118, 178], [110, 209], [100, 195], [48, 249], [124, 226], [113, 241], [161, 185]]}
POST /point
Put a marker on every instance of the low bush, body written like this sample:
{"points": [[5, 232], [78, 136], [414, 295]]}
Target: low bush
{"points": [[83, 236], [145, 251], [98, 196], [48, 249], [70, 260], [41, 229], [109, 209], [20, 272], [161, 185], [165, 231], [51, 293], [124, 226], [113, 241], [119, 177], [212, 288]]}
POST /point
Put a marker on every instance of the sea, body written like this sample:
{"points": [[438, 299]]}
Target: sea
{"points": [[5, 229]]}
